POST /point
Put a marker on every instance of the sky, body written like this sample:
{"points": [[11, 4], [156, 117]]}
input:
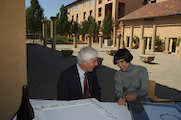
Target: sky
{"points": [[51, 7]]}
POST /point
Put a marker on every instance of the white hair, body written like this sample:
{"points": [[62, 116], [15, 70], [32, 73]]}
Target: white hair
{"points": [[86, 53]]}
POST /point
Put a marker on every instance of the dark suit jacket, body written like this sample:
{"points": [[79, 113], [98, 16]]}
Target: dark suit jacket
{"points": [[69, 86]]}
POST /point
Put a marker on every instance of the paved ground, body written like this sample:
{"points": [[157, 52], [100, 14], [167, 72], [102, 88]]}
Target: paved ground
{"points": [[44, 68]]}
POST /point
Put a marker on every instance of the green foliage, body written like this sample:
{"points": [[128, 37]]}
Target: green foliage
{"points": [[48, 26], [74, 27], [34, 15], [63, 25], [177, 41], [158, 40], [61, 39], [84, 27], [136, 39], [93, 26], [107, 26], [89, 27]]}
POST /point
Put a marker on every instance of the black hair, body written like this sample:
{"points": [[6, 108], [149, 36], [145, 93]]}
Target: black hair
{"points": [[123, 54]]}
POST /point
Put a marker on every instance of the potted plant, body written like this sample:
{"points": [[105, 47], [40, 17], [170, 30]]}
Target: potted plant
{"points": [[177, 42], [136, 40], [107, 29], [159, 44]]}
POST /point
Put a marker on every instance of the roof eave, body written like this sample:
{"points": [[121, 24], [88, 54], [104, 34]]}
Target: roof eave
{"points": [[72, 3], [148, 17]]}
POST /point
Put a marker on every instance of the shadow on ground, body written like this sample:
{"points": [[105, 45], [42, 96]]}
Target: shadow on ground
{"points": [[45, 66]]}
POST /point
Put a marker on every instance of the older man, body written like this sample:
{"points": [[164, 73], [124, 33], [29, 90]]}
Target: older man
{"points": [[80, 80]]}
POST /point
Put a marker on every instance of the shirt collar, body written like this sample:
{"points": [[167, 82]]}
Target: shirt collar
{"points": [[129, 68], [80, 71]]}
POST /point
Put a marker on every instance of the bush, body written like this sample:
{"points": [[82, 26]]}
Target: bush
{"points": [[70, 39], [158, 41], [61, 39], [177, 41], [136, 39], [49, 39], [107, 26]]}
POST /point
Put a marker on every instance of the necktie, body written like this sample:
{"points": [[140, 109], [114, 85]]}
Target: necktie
{"points": [[86, 89]]}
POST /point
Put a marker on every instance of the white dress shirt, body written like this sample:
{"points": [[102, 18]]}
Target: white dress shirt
{"points": [[82, 76]]}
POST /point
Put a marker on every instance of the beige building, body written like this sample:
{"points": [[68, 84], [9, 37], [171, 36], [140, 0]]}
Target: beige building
{"points": [[159, 17], [80, 10], [13, 66]]}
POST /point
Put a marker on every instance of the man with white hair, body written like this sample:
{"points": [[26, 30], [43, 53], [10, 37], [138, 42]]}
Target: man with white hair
{"points": [[80, 80]]}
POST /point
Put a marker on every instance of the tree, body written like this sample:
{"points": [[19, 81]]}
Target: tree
{"points": [[63, 25], [75, 27], [107, 26], [48, 26], [93, 26], [34, 15], [84, 28], [27, 29], [89, 27]]}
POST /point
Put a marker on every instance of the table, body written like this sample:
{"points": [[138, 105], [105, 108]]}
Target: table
{"points": [[83, 109], [91, 109], [142, 109]]}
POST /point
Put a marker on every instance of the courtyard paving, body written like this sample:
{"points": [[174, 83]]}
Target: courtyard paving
{"points": [[45, 66]]}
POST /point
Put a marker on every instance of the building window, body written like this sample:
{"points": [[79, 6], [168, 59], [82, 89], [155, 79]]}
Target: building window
{"points": [[77, 17], [84, 15], [99, 14], [91, 13], [121, 10], [91, 3], [100, 1], [77, 7], [153, 1], [72, 17], [99, 23], [72, 8], [67, 10], [108, 0], [85, 4]]}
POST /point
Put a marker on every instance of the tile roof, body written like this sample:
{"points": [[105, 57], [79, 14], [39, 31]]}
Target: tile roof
{"points": [[154, 10]]}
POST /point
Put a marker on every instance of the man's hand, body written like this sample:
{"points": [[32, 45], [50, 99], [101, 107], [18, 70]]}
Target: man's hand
{"points": [[121, 101], [131, 97]]}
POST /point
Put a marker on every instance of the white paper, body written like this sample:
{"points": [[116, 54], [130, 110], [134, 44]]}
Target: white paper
{"points": [[85, 109], [75, 112], [119, 111]]}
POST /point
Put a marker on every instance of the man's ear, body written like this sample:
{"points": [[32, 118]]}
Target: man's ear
{"points": [[84, 62]]}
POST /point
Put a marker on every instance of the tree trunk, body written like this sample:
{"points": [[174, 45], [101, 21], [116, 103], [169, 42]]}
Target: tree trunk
{"points": [[33, 38]]}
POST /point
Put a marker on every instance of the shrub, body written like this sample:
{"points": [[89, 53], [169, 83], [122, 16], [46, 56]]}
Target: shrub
{"points": [[70, 39], [136, 39], [107, 26], [177, 41], [61, 39], [158, 40], [49, 39]]}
